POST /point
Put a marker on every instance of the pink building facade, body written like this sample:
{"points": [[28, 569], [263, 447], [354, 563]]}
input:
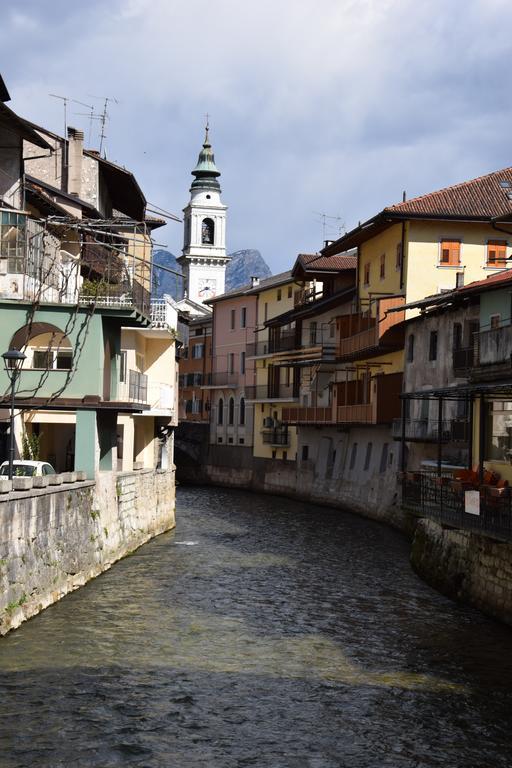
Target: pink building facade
{"points": [[234, 324]]}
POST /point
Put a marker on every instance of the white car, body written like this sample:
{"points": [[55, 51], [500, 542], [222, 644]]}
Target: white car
{"points": [[22, 468]]}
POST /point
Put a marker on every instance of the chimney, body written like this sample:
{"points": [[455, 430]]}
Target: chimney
{"points": [[75, 155], [254, 281], [327, 243]]}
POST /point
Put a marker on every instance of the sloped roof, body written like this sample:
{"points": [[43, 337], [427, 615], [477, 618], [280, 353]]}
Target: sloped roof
{"points": [[21, 126], [311, 262], [494, 281], [263, 285], [482, 197]]}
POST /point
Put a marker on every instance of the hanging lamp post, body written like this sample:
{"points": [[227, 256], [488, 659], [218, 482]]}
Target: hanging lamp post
{"points": [[13, 360]]}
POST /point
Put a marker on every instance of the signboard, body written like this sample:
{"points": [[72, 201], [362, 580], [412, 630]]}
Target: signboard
{"points": [[472, 502]]}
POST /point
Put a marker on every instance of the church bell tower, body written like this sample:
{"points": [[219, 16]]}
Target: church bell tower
{"points": [[204, 258]]}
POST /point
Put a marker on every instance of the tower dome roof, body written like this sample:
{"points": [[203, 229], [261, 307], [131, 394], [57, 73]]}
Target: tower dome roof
{"points": [[206, 172]]}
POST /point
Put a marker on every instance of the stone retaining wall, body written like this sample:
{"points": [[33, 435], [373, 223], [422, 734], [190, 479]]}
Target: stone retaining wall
{"points": [[55, 539], [465, 566]]}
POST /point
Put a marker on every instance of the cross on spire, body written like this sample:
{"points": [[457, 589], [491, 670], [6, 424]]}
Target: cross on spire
{"points": [[207, 128]]}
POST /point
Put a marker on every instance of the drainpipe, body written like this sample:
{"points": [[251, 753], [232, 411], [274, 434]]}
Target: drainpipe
{"points": [[439, 435], [402, 256]]}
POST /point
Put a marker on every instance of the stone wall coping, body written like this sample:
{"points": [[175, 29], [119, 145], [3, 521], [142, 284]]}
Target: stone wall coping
{"points": [[145, 471], [78, 485]]}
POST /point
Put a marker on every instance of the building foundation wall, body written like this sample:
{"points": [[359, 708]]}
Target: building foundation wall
{"points": [[55, 539]]}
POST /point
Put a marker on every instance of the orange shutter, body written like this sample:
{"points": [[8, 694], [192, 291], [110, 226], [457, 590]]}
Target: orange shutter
{"points": [[497, 253], [450, 253]]}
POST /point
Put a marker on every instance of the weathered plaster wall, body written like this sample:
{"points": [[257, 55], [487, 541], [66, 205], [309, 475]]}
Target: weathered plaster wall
{"points": [[54, 540], [465, 566]]}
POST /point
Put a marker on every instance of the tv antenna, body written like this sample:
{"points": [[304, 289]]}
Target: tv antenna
{"points": [[65, 101], [337, 226], [104, 116]]}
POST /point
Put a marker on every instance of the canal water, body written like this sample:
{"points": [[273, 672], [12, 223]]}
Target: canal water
{"points": [[261, 632]]}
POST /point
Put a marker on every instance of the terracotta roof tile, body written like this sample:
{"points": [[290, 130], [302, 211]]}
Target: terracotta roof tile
{"points": [[499, 277], [481, 197]]}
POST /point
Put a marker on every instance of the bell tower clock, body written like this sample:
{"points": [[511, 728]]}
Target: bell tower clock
{"points": [[204, 257]]}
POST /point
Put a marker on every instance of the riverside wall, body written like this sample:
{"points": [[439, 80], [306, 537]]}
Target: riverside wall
{"points": [[55, 539], [469, 567]]}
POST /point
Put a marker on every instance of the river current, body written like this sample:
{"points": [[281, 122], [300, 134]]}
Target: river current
{"points": [[261, 632]]}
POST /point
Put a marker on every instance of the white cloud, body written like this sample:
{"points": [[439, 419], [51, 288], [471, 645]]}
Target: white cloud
{"points": [[333, 105]]}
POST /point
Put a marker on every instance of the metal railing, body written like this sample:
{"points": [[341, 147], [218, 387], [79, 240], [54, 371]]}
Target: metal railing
{"points": [[278, 436], [444, 500], [161, 314], [424, 430], [225, 379], [267, 392], [463, 360]]}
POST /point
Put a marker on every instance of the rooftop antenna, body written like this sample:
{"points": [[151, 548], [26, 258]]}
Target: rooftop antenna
{"points": [[64, 100], [89, 114], [104, 116], [324, 217]]}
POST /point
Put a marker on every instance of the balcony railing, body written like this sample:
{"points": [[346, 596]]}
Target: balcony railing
{"points": [[463, 360], [376, 401], [426, 431], [359, 332], [308, 415], [495, 346], [267, 392], [283, 343], [225, 379], [135, 389], [278, 437], [445, 500], [162, 314]]}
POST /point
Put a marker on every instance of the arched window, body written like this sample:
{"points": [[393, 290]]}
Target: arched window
{"points": [[207, 232], [46, 346], [242, 411], [231, 411], [220, 411]]}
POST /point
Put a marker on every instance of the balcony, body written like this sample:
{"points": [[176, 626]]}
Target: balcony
{"points": [[308, 416], [267, 392], [358, 334], [368, 401], [282, 343], [463, 360], [135, 390], [426, 431], [162, 315], [276, 437], [220, 379]]}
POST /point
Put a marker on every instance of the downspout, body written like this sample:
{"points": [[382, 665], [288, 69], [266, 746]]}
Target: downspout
{"points": [[402, 255]]}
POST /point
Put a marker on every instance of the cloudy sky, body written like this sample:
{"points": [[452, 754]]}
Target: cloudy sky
{"points": [[324, 106]]}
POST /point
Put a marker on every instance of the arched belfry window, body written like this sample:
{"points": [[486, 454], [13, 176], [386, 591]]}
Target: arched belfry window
{"points": [[220, 411], [242, 411], [207, 232], [231, 411]]}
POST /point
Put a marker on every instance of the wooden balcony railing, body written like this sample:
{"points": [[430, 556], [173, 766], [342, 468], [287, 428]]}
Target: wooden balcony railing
{"points": [[359, 332], [308, 415]]}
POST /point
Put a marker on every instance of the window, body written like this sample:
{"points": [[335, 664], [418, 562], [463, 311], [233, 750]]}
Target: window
{"points": [[241, 440], [432, 348], [285, 455], [312, 332], [122, 366], [231, 362], [450, 253], [366, 273], [290, 291], [199, 332], [384, 458], [242, 362], [457, 336], [305, 452], [207, 232], [495, 321], [497, 253], [13, 241], [398, 257], [368, 456], [274, 454], [499, 431], [383, 266], [279, 294], [233, 319], [410, 348], [220, 412], [198, 351], [243, 317], [52, 359], [230, 439], [241, 417], [42, 359], [198, 379], [231, 411], [353, 456]]}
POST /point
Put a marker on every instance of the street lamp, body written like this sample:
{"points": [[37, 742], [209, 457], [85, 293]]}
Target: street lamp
{"points": [[13, 360]]}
